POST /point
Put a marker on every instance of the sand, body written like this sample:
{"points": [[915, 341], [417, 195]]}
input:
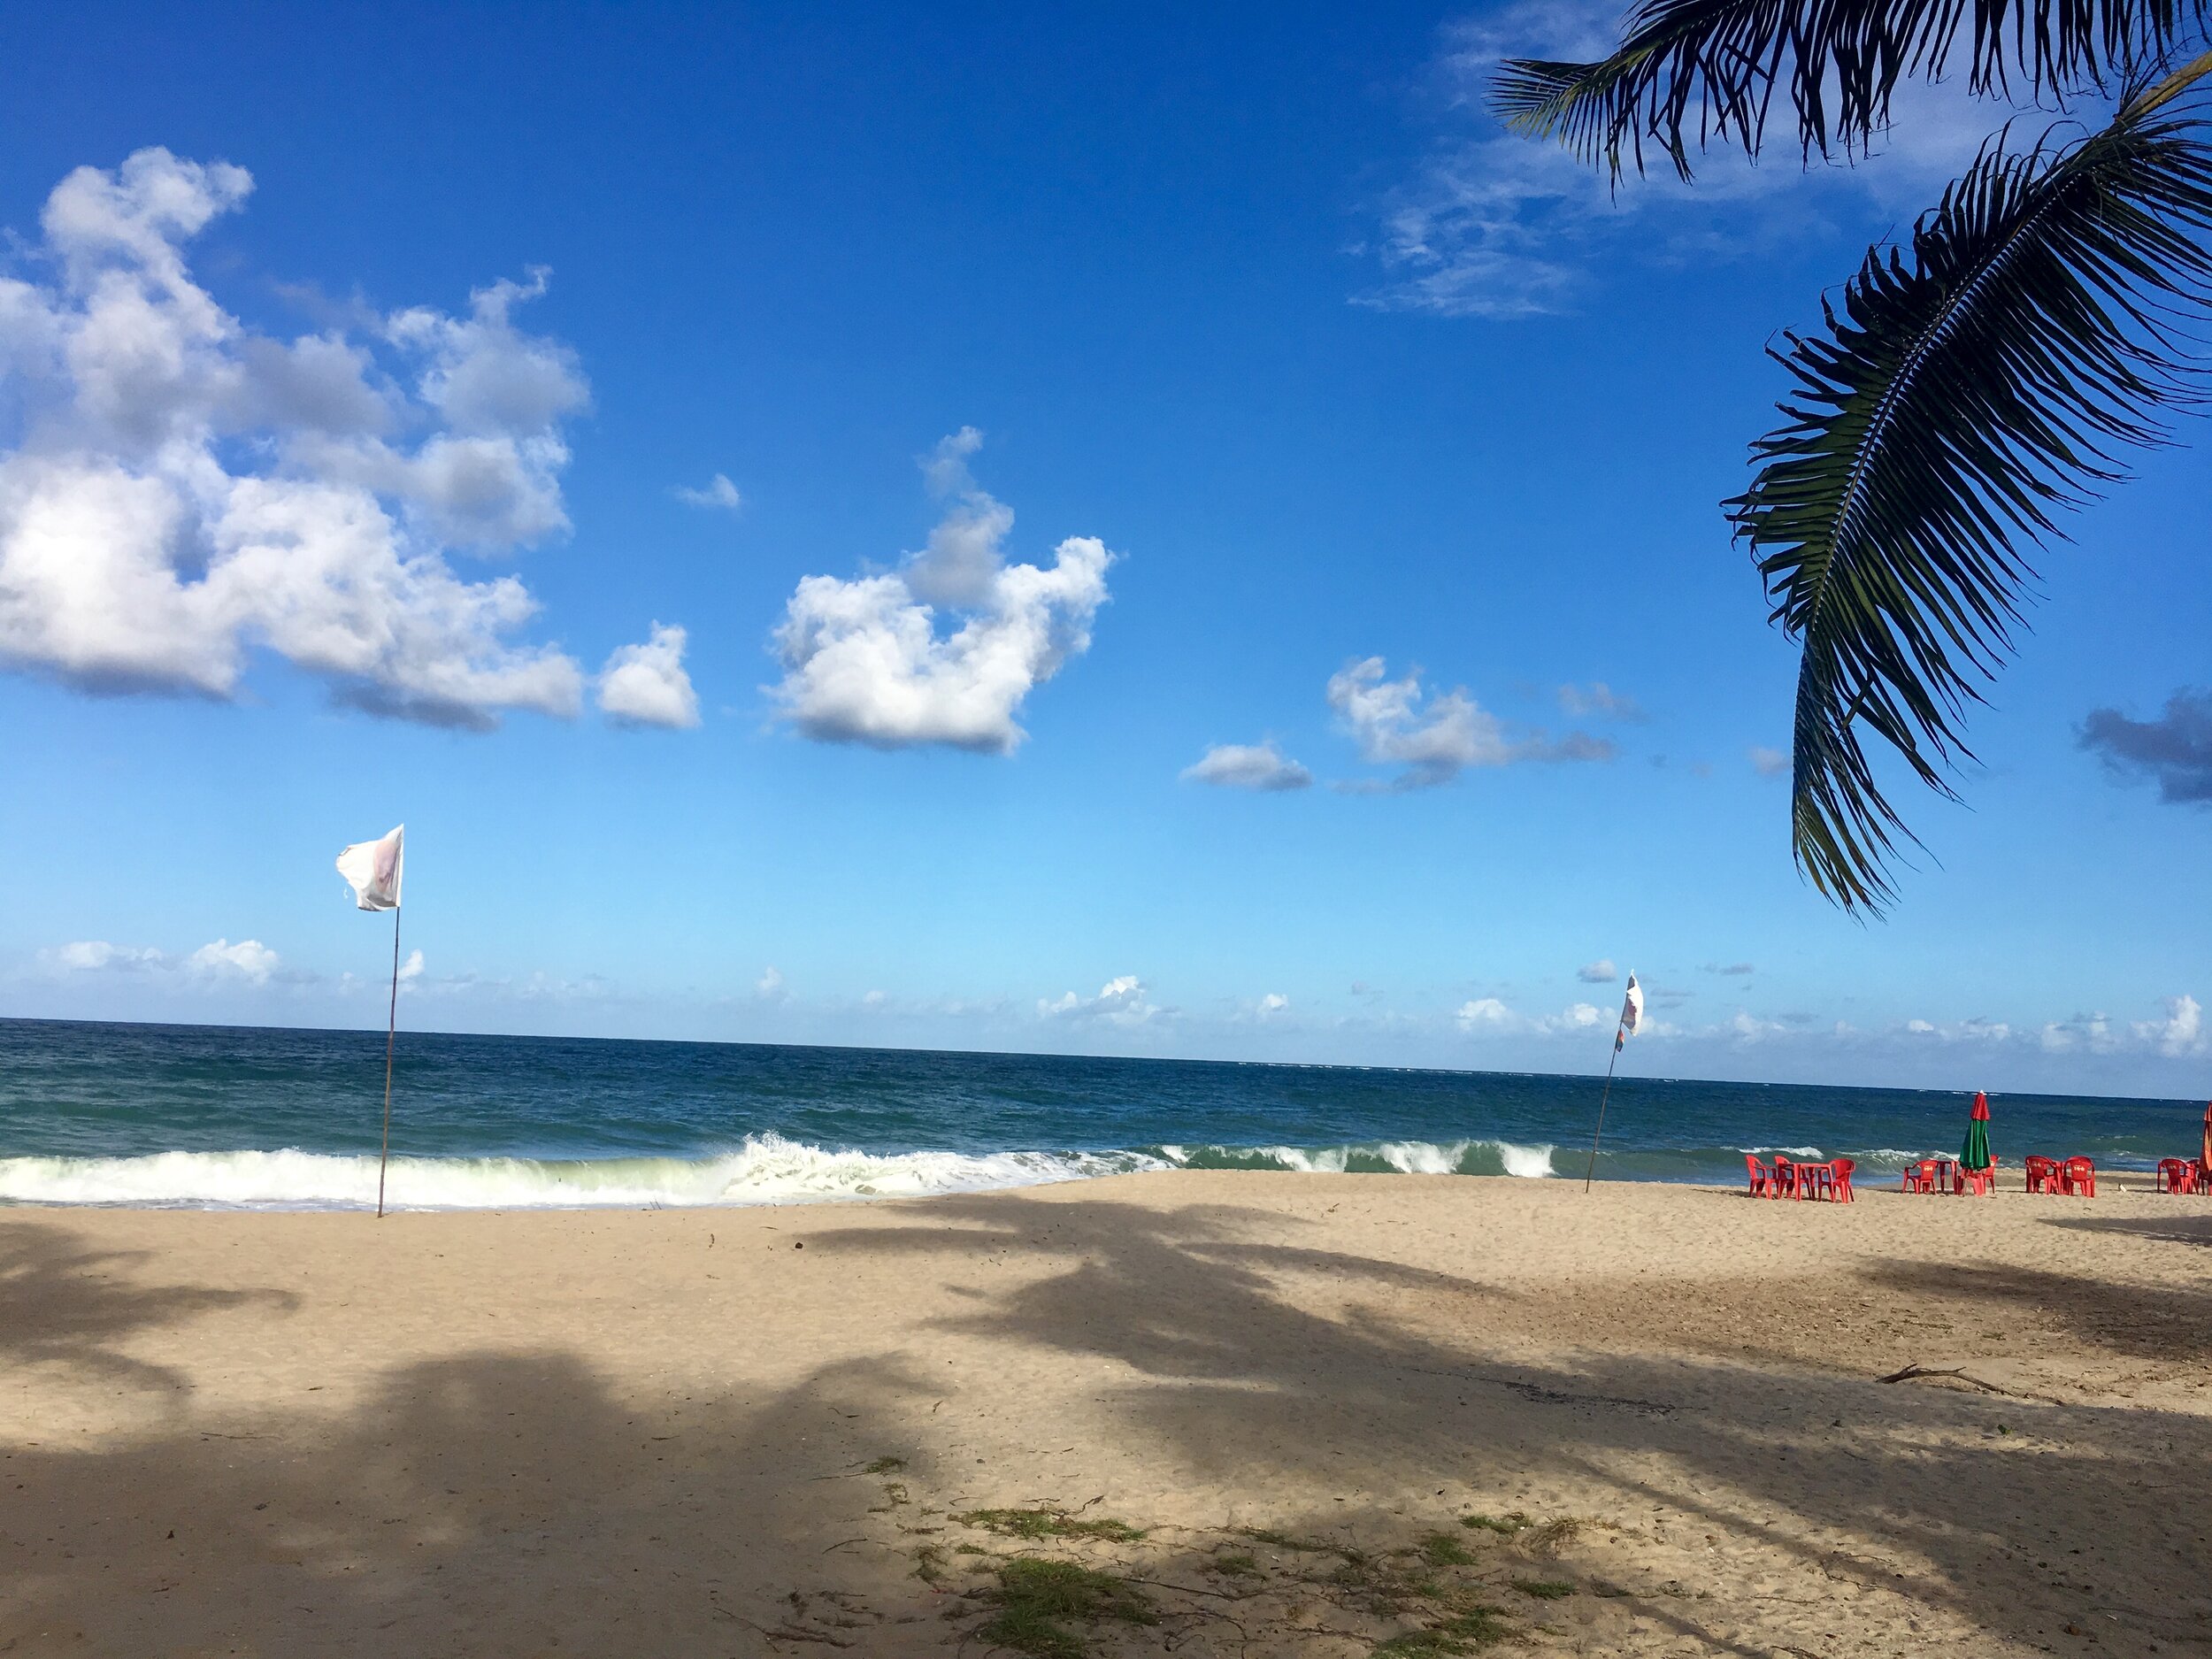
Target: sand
{"points": [[752, 1432]]}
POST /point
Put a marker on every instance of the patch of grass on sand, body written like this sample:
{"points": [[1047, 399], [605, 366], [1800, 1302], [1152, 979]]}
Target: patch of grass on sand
{"points": [[1477, 1627], [1544, 1589], [1441, 1549], [1284, 1541], [1506, 1525], [929, 1564], [1037, 1600], [1048, 1523], [883, 1466], [1461, 1635], [1236, 1564], [1555, 1534]]}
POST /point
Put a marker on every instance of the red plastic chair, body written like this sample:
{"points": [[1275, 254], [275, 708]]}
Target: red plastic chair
{"points": [[1762, 1178], [2176, 1175], [2043, 1175], [1980, 1182], [1921, 1177], [2078, 1178], [1840, 1180]]}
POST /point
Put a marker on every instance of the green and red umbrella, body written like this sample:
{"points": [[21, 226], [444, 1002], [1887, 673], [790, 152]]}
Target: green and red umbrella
{"points": [[1975, 1156]]}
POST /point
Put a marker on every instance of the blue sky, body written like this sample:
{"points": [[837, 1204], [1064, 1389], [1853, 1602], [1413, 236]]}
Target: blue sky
{"points": [[818, 525]]}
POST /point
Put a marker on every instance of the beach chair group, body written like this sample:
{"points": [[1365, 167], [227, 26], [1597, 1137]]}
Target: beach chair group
{"points": [[1829, 1182], [2184, 1175], [2061, 1178], [1946, 1175]]}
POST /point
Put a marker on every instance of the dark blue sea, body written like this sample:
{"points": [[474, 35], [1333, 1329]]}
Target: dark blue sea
{"points": [[220, 1116]]}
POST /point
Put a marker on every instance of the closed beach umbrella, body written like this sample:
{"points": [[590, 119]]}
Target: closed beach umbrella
{"points": [[2207, 1158], [1975, 1156]]}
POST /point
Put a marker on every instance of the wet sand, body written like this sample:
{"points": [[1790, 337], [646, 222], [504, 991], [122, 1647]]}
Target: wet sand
{"points": [[754, 1432]]}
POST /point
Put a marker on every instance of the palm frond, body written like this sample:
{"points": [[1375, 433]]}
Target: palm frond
{"points": [[1693, 72], [1955, 401]]}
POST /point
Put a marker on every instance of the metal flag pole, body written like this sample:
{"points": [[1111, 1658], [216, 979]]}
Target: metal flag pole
{"points": [[391, 1030], [1610, 1065]]}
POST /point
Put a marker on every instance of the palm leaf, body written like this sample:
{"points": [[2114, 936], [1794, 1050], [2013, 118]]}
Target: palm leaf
{"points": [[1697, 72], [1956, 401]]}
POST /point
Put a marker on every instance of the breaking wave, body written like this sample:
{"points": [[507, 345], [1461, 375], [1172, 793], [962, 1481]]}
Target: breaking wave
{"points": [[767, 1170]]}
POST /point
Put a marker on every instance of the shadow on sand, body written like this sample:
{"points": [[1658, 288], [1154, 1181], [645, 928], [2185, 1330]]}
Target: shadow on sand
{"points": [[497, 1503]]}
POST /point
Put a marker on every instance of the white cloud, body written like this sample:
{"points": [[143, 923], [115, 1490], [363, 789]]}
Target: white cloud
{"points": [[1487, 1014], [249, 958], [2180, 1032], [1120, 1001], [865, 662], [410, 969], [768, 986], [180, 491], [1433, 739], [720, 493], [1599, 972], [1273, 1002], [1769, 763], [1247, 767], [94, 955], [646, 685]]}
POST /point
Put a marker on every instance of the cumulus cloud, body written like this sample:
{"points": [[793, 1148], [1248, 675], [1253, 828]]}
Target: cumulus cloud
{"points": [[249, 959], [1394, 723], [865, 660], [1769, 763], [2175, 750], [646, 685], [410, 969], [1120, 1001], [1434, 738], [1487, 1015], [1599, 972], [768, 986], [177, 491], [1273, 1002], [95, 955], [2180, 1030], [719, 493], [1247, 767]]}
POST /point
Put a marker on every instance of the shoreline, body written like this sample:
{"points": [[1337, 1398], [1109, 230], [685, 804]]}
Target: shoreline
{"points": [[769, 1171], [543, 1431]]}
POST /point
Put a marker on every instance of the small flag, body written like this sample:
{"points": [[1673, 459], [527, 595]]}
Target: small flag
{"points": [[1631, 1010], [372, 868]]}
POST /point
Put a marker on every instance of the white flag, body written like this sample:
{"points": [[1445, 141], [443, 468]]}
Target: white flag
{"points": [[372, 868], [1632, 1008]]}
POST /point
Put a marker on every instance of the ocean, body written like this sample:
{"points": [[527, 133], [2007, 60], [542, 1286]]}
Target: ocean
{"points": [[215, 1116]]}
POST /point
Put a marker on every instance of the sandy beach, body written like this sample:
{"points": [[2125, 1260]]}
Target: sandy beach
{"points": [[755, 1431]]}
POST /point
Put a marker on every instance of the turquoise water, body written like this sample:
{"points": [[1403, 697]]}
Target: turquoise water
{"points": [[213, 1114]]}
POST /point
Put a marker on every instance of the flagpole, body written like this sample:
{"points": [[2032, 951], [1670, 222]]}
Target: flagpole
{"points": [[391, 1030], [1610, 1065]]}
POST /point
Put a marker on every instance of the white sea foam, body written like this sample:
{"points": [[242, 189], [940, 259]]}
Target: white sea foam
{"points": [[1532, 1162], [767, 1170]]}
